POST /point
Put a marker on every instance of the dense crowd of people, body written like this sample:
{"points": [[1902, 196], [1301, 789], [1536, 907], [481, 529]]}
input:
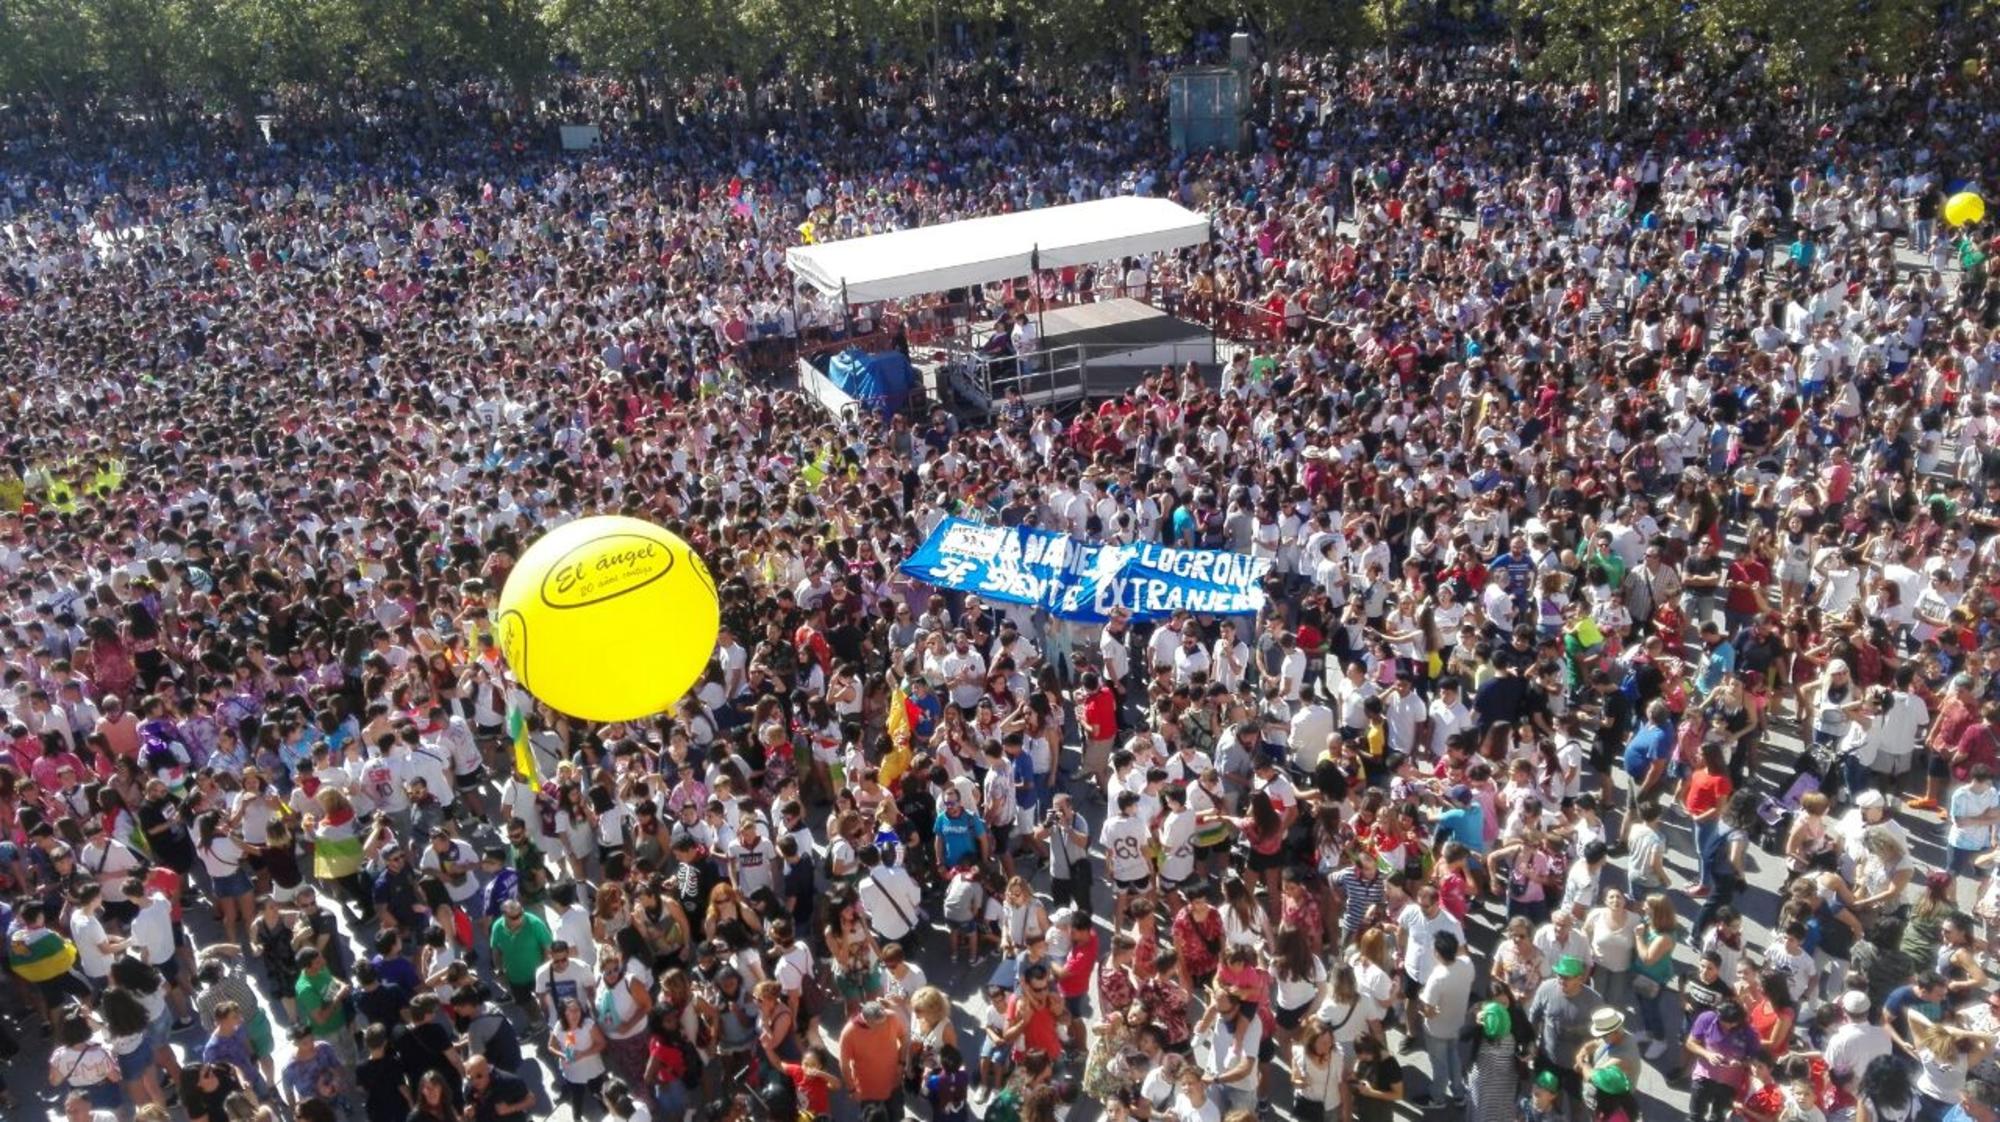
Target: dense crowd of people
{"points": [[1629, 481]]}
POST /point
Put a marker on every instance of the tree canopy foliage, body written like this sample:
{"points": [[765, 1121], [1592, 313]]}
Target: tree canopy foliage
{"points": [[137, 54]]}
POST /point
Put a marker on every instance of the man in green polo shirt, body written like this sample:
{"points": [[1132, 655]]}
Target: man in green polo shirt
{"points": [[520, 946], [320, 996]]}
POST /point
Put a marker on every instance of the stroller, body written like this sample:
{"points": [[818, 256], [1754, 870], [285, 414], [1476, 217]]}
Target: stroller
{"points": [[1819, 770]]}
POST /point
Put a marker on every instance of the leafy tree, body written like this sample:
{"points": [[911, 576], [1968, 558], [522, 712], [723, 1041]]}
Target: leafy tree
{"points": [[48, 49], [1835, 44]]}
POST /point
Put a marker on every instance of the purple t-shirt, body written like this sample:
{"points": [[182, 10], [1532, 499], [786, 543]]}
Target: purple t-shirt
{"points": [[1738, 1044]]}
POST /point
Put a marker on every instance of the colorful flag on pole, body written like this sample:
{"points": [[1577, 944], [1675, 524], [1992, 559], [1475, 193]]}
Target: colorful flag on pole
{"points": [[524, 754], [901, 719], [814, 473], [42, 957], [336, 851]]}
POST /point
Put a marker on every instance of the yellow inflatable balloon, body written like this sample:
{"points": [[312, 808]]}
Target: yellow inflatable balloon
{"points": [[608, 619], [1964, 208]]}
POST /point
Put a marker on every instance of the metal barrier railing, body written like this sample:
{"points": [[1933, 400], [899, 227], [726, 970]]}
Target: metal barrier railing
{"points": [[1059, 374]]}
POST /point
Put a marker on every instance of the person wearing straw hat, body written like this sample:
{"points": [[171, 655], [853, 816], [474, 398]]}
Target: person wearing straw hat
{"points": [[1609, 1045]]}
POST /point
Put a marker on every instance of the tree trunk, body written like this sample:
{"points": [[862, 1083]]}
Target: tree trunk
{"points": [[244, 104], [1388, 34], [1135, 54]]}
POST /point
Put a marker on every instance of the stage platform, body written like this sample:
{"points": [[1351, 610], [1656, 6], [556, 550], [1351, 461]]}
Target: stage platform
{"points": [[1088, 351]]}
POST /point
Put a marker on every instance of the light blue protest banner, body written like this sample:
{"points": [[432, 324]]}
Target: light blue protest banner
{"points": [[1077, 580]]}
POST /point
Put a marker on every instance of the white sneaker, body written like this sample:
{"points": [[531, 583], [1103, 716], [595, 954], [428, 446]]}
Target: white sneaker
{"points": [[1656, 1049]]}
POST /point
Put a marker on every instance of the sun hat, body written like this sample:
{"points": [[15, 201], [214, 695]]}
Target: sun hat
{"points": [[1606, 1021]]}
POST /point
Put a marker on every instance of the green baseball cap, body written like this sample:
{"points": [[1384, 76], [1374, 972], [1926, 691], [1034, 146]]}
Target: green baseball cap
{"points": [[1569, 966], [1611, 1080]]}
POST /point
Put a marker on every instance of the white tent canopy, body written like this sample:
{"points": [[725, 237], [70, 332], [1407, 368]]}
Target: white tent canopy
{"points": [[980, 250]]}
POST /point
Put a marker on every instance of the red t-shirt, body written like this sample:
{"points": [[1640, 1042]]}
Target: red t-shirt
{"points": [[1748, 571], [814, 1090], [668, 1061], [813, 645], [1976, 746], [1455, 893], [1706, 792], [1100, 714], [1075, 980], [1039, 1035]]}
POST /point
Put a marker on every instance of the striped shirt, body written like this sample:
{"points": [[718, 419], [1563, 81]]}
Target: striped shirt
{"points": [[1362, 894], [232, 986]]}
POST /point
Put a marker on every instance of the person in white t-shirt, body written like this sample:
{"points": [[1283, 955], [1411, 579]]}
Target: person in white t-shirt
{"points": [[1194, 1103], [1446, 995], [561, 978], [1165, 642], [752, 860], [1312, 729], [107, 859], [1230, 659], [453, 861], [151, 939], [964, 673], [1176, 835], [572, 922], [1234, 1035], [416, 760], [95, 947], [1125, 838], [222, 858]]}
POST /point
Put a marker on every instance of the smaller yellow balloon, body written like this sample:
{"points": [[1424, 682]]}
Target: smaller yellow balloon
{"points": [[1964, 208]]}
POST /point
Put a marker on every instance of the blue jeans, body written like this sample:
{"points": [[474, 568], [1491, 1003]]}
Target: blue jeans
{"points": [[1229, 1098], [1855, 775], [1661, 1015], [1447, 1066], [1705, 834], [671, 1098]]}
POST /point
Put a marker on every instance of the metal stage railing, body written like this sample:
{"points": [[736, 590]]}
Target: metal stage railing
{"points": [[1062, 374]]}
